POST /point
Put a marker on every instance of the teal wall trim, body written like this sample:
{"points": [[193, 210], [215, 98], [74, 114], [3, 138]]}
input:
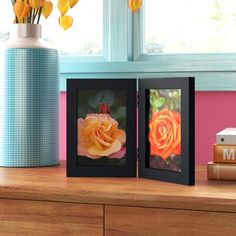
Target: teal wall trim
{"points": [[163, 63], [213, 72], [205, 81]]}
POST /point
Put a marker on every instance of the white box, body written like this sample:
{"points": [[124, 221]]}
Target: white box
{"points": [[226, 137]]}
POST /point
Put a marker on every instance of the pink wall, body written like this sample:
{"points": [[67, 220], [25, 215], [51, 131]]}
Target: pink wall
{"points": [[214, 112], [63, 126]]}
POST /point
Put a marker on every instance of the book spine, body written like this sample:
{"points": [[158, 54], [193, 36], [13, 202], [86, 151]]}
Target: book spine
{"points": [[224, 153], [221, 171]]}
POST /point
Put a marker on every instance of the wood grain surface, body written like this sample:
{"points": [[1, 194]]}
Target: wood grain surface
{"points": [[20, 217], [51, 184], [137, 221]]}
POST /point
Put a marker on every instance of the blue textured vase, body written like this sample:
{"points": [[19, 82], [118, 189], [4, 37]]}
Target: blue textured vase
{"points": [[29, 100]]}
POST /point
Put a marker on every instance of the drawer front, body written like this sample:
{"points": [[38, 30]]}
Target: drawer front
{"points": [[21, 217], [135, 221]]}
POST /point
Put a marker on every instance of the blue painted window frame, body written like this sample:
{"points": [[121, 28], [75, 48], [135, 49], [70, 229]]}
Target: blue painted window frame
{"points": [[123, 57]]}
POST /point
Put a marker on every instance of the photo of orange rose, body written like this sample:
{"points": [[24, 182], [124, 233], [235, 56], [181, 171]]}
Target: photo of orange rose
{"points": [[165, 133], [164, 129], [99, 136]]}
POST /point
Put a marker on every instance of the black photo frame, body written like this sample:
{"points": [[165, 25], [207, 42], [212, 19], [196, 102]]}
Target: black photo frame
{"points": [[147, 125], [76, 165]]}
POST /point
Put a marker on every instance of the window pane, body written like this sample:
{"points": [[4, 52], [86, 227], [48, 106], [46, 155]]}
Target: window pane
{"points": [[85, 37], [6, 19], [180, 26]]}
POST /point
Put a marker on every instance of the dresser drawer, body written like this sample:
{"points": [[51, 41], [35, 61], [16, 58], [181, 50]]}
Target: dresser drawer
{"points": [[135, 221], [21, 217]]}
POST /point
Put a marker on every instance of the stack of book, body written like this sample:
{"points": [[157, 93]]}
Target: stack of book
{"points": [[223, 166]]}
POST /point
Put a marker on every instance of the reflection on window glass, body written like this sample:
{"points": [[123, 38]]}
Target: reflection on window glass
{"points": [[179, 26], [85, 37]]}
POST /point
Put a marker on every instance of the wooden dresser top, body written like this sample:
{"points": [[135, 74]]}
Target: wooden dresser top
{"points": [[51, 184]]}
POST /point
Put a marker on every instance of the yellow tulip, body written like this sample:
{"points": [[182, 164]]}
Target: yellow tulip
{"points": [[47, 9], [21, 9], [36, 3], [134, 5], [73, 3], [65, 22], [63, 2], [63, 8]]}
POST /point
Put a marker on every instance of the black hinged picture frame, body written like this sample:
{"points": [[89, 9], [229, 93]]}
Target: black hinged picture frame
{"points": [[164, 108], [101, 127]]}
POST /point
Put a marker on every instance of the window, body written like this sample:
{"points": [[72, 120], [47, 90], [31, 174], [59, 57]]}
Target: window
{"points": [[84, 38], [189, 26], [165, 38]]}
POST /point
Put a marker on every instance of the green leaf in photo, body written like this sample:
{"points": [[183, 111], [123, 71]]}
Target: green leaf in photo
{"points": [[172, 106], [120, 116], [154, 110], [157, 103], [150, 115], [104, 96], [121, 112]]}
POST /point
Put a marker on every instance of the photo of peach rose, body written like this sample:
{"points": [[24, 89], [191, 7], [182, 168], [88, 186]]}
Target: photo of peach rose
{"points": [[101, 127], [164, 134], [99, 136]]}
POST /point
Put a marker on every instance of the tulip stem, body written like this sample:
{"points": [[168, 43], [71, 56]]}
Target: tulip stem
{"points": [[39, 15], [13, 2], [35, 15], [30, 16]]}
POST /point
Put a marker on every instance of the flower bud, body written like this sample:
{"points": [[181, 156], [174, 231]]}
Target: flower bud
{"points": [[73, 3], [21, 9], [134, 5], [36, 3], [47, 9], [65, 22], [63, 6], [104, 108]]}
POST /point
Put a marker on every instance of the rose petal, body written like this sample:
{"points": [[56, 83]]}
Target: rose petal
{"points": [[118, 155], [115, 147], [99, 136], [164, 135], [120, 134]]}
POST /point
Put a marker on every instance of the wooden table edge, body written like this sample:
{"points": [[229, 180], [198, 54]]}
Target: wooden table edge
{"points": [[147, 201]]}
